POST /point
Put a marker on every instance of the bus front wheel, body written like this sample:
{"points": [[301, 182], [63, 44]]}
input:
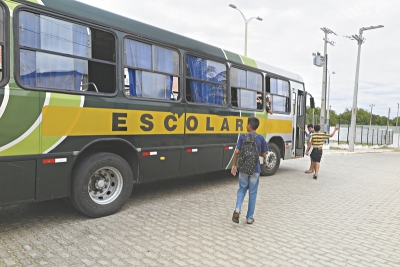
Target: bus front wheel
{"points": [[273, 161], [102, 183]]}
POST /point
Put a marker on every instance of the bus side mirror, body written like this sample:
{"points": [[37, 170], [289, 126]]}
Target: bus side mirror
{"points": [[312, 104]]}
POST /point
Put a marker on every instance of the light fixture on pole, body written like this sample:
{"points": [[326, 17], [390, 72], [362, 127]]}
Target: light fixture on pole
{"points": [[360, 40], [246, 21], [370, 119], [329, 93], [322, 120]]}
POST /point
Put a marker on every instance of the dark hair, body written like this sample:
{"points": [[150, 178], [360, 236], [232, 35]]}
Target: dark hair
{"points": [[310, 126], [254, 122], [317, 127]]}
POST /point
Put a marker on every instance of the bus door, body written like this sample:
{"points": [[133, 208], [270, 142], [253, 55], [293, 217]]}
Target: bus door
{"points": [[299, 118]]}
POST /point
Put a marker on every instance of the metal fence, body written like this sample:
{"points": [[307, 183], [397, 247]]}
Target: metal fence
{"points": [[365, 135]]}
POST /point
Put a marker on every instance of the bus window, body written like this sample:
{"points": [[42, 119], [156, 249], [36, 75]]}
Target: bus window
{"points": [[246, 89], [280, 96], [150, 71], [2, 28], [205, 81], [61, 55]]}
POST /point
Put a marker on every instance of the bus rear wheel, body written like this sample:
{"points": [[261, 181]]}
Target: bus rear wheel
{"points": [[102, 183], [273, 161]]}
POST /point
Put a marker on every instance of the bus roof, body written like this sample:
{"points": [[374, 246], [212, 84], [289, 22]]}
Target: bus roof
{"points": [[127, 24]]}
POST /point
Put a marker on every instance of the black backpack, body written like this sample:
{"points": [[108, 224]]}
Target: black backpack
{"points": [[248, 155]]}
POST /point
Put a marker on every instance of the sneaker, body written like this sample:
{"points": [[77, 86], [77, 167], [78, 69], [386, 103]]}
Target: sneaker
{"points": [[235, 217], [250, 221]]}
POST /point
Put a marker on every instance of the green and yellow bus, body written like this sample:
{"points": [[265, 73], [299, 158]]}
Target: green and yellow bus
{"points": [[92, 102]]}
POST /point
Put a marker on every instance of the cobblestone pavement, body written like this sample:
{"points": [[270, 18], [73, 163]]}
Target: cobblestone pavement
{"points": [[350, 216]]}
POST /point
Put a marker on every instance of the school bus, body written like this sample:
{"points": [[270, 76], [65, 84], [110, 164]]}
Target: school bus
{"points": [[93, 102]]}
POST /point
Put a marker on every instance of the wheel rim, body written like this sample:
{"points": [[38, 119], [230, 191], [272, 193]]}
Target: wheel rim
{"points": [[105, 185], [271, 160]]}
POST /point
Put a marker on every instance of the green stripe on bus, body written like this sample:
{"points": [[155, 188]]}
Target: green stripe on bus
{"points": [[11, 4], [233, 57], [249, 62]]}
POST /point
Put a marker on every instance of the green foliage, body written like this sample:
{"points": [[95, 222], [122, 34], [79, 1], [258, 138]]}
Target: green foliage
{"points": [[363, 117]]}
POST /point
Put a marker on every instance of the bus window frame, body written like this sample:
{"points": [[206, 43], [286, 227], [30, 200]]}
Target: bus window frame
{"points": [[71, 19], [269, 76], [163, 45], [263, 90], [186, 76], [6, 46]]}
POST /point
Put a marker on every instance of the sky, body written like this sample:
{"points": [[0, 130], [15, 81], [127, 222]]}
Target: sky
{"points": [[289, 34]]}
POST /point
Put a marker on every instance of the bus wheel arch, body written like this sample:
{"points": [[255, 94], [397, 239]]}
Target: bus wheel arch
{"points": [[116, 146], [275, 146]]}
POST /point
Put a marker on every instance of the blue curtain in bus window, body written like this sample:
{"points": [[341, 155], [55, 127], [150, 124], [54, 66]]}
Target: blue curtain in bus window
{"points": [[274, 86], [138, 54], [254, 81], [27, 67], [248, 99], [132, 82], [82, 41], [138, 83], [215, 73], [197, 68], [55, 71], [278, 103], [29, 30], [164, 60], [171, 83], [56, 35], [154, 85]]}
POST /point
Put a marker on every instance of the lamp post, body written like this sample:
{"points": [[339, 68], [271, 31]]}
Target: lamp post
{"points": [[360, 40], [370, 118], [329, 93], [397, 122], [322, 120], [246, 21]]}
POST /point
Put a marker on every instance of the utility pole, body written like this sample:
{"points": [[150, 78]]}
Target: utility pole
{"points": [[370, 119], [387, 127], [360, 40], [322, 120], [397, 122], [329, 94]]}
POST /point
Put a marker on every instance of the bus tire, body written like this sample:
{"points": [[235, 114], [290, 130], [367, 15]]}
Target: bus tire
{"points": [[273, 162], [101, 184]]}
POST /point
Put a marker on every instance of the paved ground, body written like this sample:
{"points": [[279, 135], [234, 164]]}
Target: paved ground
{"points": [[350, 216]]}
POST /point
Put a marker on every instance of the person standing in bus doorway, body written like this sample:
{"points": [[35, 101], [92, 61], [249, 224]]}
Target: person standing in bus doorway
{"points": [[317, 141], [310, 128], [253, 145], [268, 104]]}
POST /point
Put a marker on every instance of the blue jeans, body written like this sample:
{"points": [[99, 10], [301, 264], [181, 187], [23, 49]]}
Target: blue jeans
{"points": [[247, 182]]}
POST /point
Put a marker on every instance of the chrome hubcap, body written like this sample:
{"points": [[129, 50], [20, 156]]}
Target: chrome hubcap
{"points": [[105, 185]]}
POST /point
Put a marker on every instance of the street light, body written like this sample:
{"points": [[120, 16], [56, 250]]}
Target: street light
{"points": [[329, 93], [246, 21], [322, 120], [360, 40]]}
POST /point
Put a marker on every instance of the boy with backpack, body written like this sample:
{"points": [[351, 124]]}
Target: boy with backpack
{"points": [[248, 149]]}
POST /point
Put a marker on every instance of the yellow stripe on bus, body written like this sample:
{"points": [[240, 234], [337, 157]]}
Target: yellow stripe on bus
{"points": [[75, 121]]}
